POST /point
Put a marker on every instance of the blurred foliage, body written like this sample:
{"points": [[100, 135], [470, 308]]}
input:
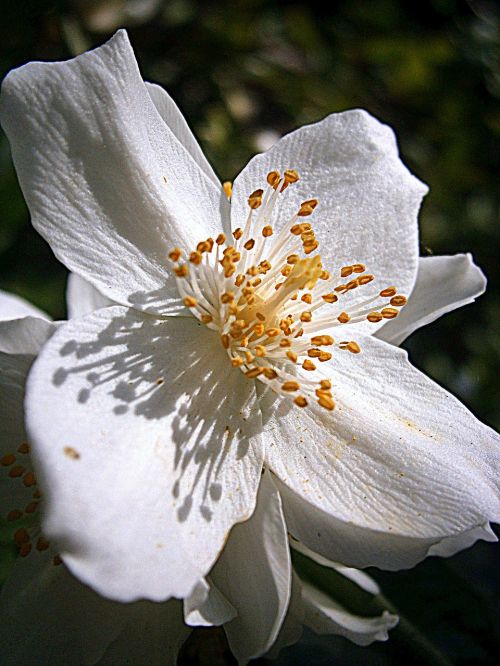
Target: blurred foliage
{"points": [[246, 71]]}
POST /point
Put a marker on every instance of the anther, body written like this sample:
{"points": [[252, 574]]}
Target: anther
{"points": [[308, 365], [358, 268], [8, 459], [25, 549], [228, 188], [196, 258], [374, 317], [190, 302], [181, 271], [221, 239], [330, 298], [314, 353], [237, 233], [253, 372], [322, 340], [31, 507], [227, 297], [260, 316], [300, 401], [236, 361], [398, 301], [306, 316], [175, 254], [255, 200], [343, 318], [324, 275], [325, 384], [351, 346], [345, 271], [290, 386], [273, 179], [21, 536], [29, 480], [389, 313], [260, 350], [292, 356], [290, 176], [326, 402], [269, 373], [16, 471], [324, 356], [23, 448], [42, 544], [239, 280], [306, 298], [307, 207], [15, 514], [365, 279], [387, 293], [272, 332], [292, 259], [285, 343], [267, 231], [225, 340], [206, 318]]}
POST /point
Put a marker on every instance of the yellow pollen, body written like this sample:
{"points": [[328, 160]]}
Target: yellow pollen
{"points": [[239, 280], [374, 317], [267, 231], [238, 233], [290, 176], [285, 343], [351, 346], [260, 350], [227, 186], [310, 248], [389, 313], [286, 270], [365, 279], [346, 271], [181, 271], [358, 268], [343, 318], [306, 316], [300, 401], [290, 386], [175, 254], [292, 356], [330, 298], [308, 365], [236, 361], [398, 301], [255, 199], [221, 239], [325, 384], [190, 302], [324, 356], [269, 373], [325, 275], [387, 293], [306, 298], [314, 353], [250, 358], [227, 297]]}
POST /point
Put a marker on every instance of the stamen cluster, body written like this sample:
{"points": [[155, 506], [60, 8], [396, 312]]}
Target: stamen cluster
{"points": [[261, 292]]}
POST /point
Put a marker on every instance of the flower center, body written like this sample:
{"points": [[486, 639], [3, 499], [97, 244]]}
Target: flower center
{"points": [[261, 291]]}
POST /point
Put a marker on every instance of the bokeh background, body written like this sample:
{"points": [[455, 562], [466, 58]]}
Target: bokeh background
{"points": [[244, 72]]}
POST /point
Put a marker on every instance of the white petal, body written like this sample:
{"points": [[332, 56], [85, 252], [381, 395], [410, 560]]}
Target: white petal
{"points": [[443, 284], [106, 181], [48, 617], [254, 574], [82, 298], [399, 465], [324, 616], [368, 200], [15, 307], [177, 124], [206, 606], [25, 336], [292, 627], [355, 575], [140, 430]]}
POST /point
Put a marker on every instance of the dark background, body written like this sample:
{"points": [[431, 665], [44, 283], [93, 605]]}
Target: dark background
{"points": [[245, 72]]}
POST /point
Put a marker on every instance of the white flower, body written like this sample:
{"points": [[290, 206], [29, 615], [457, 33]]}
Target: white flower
{"points": [[69, 623], [150, 442]]}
